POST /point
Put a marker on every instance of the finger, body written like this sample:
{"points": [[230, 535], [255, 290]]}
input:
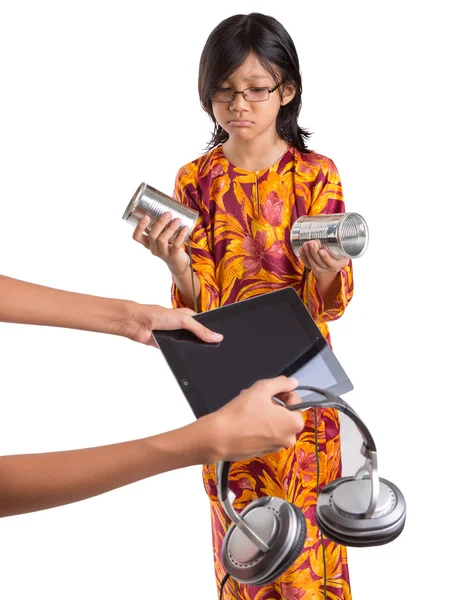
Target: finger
{"points": [[336, 262], [311, 248], [313, 245], [323, 264], [303, 256], [316, 259], [164, 239], [160, 225], [139, 232], [292, 399], [330, 252], [277, 385], [200, 330], [179, 239], [329, 262], [308, 261], [289, 398]]}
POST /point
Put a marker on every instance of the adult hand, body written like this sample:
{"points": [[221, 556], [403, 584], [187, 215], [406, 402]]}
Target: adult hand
{"points": [[253, 424], [147, 317]]}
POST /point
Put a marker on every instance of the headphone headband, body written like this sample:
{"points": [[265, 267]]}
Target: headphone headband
{"points": [[333, 401], [330, 400]]}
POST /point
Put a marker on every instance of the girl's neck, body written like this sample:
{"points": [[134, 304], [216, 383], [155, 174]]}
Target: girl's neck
{"points": [[254, 155]]}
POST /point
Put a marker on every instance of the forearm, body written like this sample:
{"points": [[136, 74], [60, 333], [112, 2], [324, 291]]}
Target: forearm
{"points": [[183, 283], [39, 481], [22, 302]]}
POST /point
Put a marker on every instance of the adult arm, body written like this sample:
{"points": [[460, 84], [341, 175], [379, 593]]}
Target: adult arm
{"points": [[29, 303], [250, 425]]}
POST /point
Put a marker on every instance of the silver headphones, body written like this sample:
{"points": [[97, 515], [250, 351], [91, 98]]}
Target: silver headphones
{"points": [[268, 535]]}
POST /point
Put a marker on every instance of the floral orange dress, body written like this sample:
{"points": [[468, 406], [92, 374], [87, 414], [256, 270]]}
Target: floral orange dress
{"points": [[241, 248]]}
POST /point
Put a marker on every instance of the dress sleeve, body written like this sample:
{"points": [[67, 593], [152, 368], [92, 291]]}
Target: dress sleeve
{"points": [[202, 257], [327, 198]]}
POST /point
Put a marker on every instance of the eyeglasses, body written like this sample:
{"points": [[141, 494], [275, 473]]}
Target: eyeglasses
{"points": [[252, 94]]}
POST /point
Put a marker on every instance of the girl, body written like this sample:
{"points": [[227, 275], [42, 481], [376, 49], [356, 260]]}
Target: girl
{"points": [[256, 180]]}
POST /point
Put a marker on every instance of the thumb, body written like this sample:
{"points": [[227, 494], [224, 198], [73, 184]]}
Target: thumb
{"points": [[200, 330], [139, 233]]}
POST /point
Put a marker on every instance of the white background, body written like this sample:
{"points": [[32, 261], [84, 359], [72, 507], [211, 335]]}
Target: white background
{"points": [[99, 96]]}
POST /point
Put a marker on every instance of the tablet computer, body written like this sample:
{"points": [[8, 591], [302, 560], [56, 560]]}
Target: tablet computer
{"points": [[266, 336]]}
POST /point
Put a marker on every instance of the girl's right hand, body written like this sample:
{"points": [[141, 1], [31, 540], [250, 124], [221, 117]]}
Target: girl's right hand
{"points": [[162, 243]]}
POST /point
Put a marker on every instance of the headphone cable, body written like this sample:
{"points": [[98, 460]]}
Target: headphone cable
{"points": [[322, 540], [191, 264], [224, 581]]}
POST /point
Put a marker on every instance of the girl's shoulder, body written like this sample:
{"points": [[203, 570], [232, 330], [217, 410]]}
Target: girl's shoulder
{"points": [[313, 161], [209, 164]]}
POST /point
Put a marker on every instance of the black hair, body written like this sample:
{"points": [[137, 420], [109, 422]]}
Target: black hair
{"points": [[227, 48]]}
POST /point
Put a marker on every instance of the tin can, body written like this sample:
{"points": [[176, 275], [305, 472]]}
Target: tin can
{"points": [[149, 201], [344, 234]]}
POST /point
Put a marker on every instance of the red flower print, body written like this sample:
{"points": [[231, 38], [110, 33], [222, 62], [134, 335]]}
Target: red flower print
{"points": [[304, 463], [272, 209], [290, 593], [245, 484], [255, 248], [216, 171]]}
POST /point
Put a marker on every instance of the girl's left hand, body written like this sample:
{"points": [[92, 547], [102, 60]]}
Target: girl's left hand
{"points": [[321, 260]]}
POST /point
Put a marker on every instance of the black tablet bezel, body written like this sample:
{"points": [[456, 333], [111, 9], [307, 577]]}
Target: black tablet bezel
{"points": [[168, 340]]}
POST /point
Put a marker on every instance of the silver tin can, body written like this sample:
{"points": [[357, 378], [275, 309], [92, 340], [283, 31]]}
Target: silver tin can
{"points": [[149, 201], [344, 234]]}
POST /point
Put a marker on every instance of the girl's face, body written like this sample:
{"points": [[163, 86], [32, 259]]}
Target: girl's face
{"points": [[246, 121]]}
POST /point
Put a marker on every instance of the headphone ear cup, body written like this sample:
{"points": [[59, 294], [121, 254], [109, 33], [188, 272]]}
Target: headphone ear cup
{"points": [[341, 507], [293, 552], [281, 525]]}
